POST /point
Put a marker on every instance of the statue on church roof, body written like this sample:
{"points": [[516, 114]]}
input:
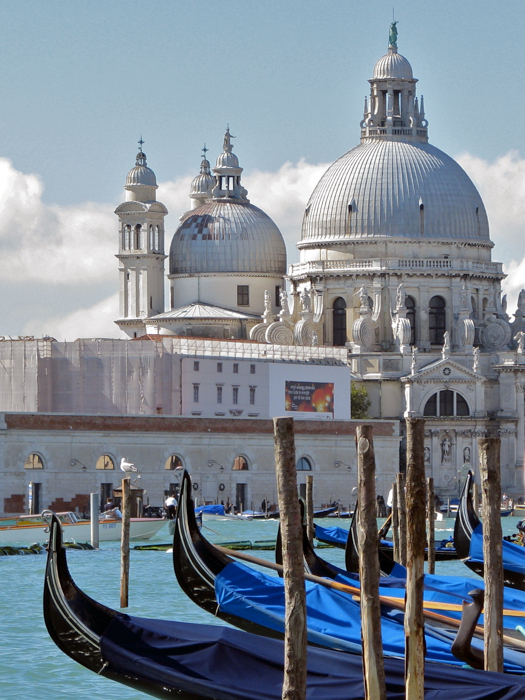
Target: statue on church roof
{"points": [[520, 339], [521, 300], [475, 365], [305, 299], [400, 297], [392, 39], [227, 144], [267, 303], [283, 298]]}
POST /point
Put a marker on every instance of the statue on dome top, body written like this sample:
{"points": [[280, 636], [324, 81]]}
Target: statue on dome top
{"points": [[392, 39], [227, 144]]}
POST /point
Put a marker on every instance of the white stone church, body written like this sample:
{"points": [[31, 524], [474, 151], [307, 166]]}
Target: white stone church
{"points": [[395, 290]]}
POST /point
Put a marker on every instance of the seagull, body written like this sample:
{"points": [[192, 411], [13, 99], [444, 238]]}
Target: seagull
{"points": [[127, 466]]}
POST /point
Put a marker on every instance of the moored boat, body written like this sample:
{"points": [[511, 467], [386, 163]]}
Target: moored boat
{"points": [[254, 601], [206, 662], [468, 538], [29, 529]]}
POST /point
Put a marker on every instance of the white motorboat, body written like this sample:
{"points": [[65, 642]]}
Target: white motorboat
{"points": [[31, 529]]}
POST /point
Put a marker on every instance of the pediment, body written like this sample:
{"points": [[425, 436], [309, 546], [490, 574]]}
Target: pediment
{"points": [[444, 370]]}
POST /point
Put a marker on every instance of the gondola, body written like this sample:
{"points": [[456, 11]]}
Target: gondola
{"points": [[338, 536], [468, 538], [254, 601], [207, 662]]}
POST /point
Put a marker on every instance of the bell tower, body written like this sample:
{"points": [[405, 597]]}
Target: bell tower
{"points": [[141, 249]]}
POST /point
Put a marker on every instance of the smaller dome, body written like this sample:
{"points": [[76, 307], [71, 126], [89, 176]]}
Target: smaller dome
{"points": [[393, 66], [227, 159], [141, 174], [203, 183]]}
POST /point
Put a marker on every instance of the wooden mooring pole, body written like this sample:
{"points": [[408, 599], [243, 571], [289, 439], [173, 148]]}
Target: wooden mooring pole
{"points": [[416, 511], [373, 666], [489, 469], [294, 682], [310, 508], [124, 543], [395, 523], [402, 519], [431, 519]]}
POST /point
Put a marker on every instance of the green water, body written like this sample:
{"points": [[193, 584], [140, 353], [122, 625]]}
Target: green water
{"points": [[32, 667]]}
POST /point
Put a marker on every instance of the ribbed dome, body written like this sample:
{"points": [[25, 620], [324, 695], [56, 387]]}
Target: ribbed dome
{"points": [[204, 181], [141, 174], [227, 236], [395, 189], [393, 66], [227, 160]]}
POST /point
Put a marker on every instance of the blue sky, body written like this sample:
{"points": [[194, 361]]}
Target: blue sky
{"points": [[82, 80]]}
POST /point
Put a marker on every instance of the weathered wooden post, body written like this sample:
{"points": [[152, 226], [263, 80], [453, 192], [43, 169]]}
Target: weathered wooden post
{"points": [[124, 543], [431, 515], [294, 682], [489, 469], [401, 504], [310, 508], [94, 502], [373, 666], [415, 509], [395, 523]]}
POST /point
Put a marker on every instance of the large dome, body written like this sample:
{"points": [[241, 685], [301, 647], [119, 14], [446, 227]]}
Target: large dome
{"points": [[395, 189], [224, 235]]}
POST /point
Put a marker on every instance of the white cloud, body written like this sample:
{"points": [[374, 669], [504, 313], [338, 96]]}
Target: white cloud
{"points": [[74, 245], [50, 243], [95, 322]]}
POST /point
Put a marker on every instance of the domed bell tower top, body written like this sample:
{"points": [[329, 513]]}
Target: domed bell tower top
{"points": [[228, 173], [392, 112], [141, 183]]}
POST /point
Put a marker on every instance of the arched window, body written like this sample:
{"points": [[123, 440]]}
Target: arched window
{"points": [[34, 461], [474, 312], [436, 320], [157, 238], [173, 462], [105, 462], [151, 238], [304, 465], [136, 237], [410, 303], [127, 237], [240, 464], [339, 321], [446, 403]]}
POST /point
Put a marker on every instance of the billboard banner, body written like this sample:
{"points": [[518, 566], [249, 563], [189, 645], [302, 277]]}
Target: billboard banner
{"points": [[309, 397]]}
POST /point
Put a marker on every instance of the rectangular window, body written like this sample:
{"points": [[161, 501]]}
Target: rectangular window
{"points": [[219, 394], [195, 366], [235, 394], [219, 366], [231, 182], [252, 369], [278, 296], [235, 368], [252, 394], [243, 295], [195, 393]]}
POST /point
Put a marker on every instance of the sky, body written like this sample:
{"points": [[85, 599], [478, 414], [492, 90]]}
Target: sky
{"points": [[81, 81]]}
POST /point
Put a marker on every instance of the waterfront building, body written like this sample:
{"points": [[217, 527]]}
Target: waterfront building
{"points": [[396, 291]]}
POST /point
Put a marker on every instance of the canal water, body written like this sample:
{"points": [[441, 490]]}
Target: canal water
{"points": [[33, 668]]}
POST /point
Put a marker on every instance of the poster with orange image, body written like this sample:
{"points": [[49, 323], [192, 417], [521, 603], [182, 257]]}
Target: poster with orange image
{"points": [[309, 397]]}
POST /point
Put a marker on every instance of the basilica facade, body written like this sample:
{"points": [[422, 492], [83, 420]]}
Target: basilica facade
{"points": [[395, 265], [395, 291]]}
